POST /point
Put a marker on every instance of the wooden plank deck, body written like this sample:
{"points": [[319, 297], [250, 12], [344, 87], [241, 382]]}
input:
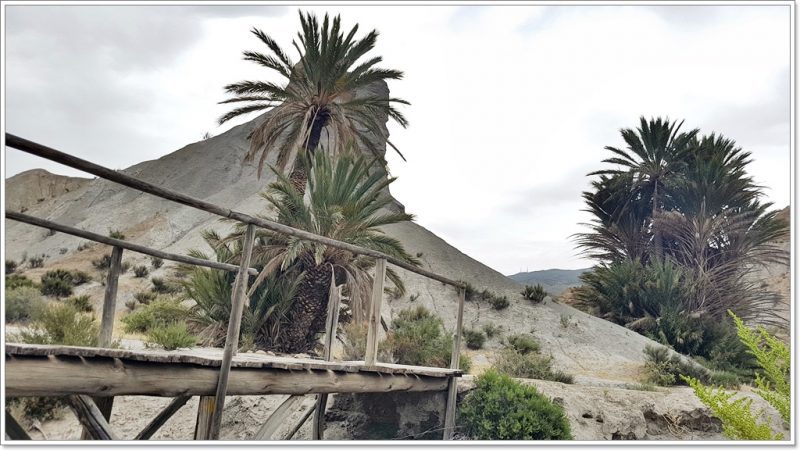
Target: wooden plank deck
{"points": [[41, 370]]}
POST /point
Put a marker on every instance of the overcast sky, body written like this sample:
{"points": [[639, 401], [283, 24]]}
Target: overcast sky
{"points": [[511, 105]]}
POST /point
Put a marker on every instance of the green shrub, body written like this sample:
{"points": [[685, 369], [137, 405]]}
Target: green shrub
{"points": [[11, 266], [156, 262], [535, 293], [529, 365], [162, 286], [36, 262], [81, 303], [159, 313], [57, 283], [501, 408], [80, 277], [61, 324], [474, 339], [417, 338], [102, 263], [140, 271], [171, 337], [22, 303], [491, 330], [116, 234], [523, 343], [664, 369], [145, 297], [499, 303], [15, 281]]}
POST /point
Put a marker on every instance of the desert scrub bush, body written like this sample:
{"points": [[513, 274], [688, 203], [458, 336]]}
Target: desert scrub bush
{"points": [[131, 304], [163, 286], [22, 303], [535, 293], [663, 369], [11, 266], [417, 338], [529, 365], [156, 262], [83, 246], [35, 262], [80, 277], [16, 281], [140, 271], [159, 313], [124, 266], [171, 336], [61, 324], [116, 234], [81, 303], [102, 263], [499, 303], [145, 297], [500, 408], [474, 339], [523, 343], [57, 283], [566, 320], [491, 330]]}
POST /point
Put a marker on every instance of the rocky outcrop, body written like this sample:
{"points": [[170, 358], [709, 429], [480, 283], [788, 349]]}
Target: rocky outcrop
{"points": [[32, 187]]}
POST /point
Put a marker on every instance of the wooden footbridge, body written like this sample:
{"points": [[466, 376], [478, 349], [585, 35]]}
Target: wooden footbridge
{"points": [[90, 377]]}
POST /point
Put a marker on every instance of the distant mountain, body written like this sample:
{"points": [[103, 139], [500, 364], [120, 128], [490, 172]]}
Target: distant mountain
{"points": [[555, 281]]}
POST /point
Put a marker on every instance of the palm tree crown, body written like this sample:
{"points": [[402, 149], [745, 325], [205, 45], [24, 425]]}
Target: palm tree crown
{"points": [[318, 93]]}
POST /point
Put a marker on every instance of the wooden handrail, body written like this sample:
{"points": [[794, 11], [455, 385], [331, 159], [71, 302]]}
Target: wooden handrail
{"points": [[24, 218], [135, 183]]}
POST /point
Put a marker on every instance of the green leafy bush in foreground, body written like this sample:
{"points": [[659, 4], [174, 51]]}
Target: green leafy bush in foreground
{"points": [[171, 337], [159, 313], [772, 384], [501, 408], [22, 303], [61, 324]]}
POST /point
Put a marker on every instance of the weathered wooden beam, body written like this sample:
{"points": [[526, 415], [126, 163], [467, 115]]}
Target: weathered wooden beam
{"points": [[90, 417], [110, 299], [332, 322], [19, 217], [455, 359], [234, 327], [14, 430], [371, 354], [277, 418], [298, 425], [126, 180], [162, 417], [205, 410], [54, 376]]}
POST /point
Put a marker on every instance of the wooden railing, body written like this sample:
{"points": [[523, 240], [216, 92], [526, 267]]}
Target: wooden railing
{"points": [[209, 417]]}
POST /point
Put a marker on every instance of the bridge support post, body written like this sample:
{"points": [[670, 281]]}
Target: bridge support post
{"points": [[371, 354], [452, 388]]}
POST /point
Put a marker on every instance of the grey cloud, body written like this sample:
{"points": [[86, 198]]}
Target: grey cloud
{"points": [[564, 191]]}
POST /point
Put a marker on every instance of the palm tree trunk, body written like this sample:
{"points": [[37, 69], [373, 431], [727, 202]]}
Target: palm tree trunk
{"points": [[658, 240], [307, 313], [299, 175]]}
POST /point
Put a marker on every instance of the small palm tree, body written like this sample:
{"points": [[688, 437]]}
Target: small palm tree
{"points": [[653, 157], [346, 203], [319, 93]]}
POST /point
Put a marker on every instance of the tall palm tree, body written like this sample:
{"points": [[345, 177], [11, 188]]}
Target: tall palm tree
{"points": [[653, 156], [318, 94], [346, 203]]}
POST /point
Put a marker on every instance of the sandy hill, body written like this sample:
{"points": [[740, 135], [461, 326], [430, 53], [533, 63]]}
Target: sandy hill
{"points": [[29, 188]]}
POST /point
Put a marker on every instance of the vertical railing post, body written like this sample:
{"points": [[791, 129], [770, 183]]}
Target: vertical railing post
{"points": [[371, 355], [455, 359], [234, 325], [106, 335], [334, 297]]}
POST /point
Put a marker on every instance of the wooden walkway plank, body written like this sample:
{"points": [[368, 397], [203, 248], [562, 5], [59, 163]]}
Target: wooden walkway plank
{"points": [[150, 429]]}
